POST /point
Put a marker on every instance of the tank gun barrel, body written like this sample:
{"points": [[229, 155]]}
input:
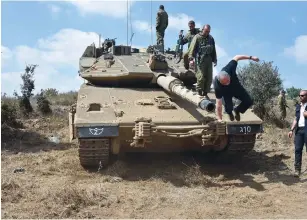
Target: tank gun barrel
{"points": [[174, 85]]}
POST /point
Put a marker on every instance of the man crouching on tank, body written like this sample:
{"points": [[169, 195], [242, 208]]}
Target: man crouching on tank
{"points": [[226, 85]]}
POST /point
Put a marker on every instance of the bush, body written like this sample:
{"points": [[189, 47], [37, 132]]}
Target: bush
{"points": [[9, 115], [43, 105], [263, 83], [293, 92], [65, 99], [50, 92]]}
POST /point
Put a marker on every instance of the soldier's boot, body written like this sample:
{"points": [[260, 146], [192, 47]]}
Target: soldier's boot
{"points": [[206, 95], [200, 92]]}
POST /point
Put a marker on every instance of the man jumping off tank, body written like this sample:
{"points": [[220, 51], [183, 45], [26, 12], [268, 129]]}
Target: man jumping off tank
{"points": [[226, 85]]}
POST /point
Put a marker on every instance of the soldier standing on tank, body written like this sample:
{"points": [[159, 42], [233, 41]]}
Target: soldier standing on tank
{"points": [[188, 39], [161, 25], [191, 33], [282, 103], [202, 49]]}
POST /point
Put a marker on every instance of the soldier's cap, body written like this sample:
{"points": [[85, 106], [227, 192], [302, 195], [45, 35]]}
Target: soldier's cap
{"points": [[191, 22]]}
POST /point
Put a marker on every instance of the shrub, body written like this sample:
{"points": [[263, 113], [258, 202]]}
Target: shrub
{"points": [[43, 105], [50, 92], [263, 83], [9, 115], [293, 92]]}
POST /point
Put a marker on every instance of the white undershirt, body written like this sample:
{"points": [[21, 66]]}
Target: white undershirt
{"points": [[301, 122]]}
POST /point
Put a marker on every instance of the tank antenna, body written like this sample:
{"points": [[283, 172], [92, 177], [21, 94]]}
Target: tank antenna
{"points": [[151, 21], [99, 40], [131, 30], [127, 22]]}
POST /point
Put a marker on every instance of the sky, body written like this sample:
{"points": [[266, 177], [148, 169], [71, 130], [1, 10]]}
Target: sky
{"points": [[54, 34]]}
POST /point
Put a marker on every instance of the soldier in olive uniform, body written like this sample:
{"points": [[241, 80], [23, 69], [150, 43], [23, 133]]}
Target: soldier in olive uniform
{"points": [[282, 103], [202, 49], [191, 33], [188, 39], [161, 25]]}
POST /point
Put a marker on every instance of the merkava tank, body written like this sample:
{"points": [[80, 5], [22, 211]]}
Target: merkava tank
{"points": [[134, 100]]}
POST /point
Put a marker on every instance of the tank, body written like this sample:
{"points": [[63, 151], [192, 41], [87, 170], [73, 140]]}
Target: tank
{"points": [[144, 100]]}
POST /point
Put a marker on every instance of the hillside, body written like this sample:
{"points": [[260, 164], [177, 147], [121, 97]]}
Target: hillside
{"points": [[52, 184]]}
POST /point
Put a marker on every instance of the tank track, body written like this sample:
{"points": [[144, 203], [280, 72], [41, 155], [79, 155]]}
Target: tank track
{"points": [[241, 143], [237, 147], [94, 152]]}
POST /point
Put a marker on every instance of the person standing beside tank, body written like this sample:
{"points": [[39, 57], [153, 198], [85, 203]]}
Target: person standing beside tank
{"points": [[161, 25], [227, 85], [282, 103], [300, 126], [202, 52]]}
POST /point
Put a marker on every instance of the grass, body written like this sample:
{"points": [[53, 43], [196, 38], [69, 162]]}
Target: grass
{"points": [[54, 185]]}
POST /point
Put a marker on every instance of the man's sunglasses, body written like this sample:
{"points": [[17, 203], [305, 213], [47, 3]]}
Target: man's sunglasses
{"points": [[301, 95]]}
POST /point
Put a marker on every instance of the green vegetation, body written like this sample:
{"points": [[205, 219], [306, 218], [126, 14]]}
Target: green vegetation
{"points": [[26, 90], [263, 83], [293, 92], [43, 105]]}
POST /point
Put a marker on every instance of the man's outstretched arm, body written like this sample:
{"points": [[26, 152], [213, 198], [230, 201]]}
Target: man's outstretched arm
{"points": [[245, 57], [219, 109]]}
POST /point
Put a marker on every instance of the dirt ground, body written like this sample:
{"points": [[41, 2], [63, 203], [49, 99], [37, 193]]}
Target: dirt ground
{"points": [[185, 185]]}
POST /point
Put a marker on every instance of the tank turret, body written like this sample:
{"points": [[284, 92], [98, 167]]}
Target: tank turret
{"points": [[117, 67]]}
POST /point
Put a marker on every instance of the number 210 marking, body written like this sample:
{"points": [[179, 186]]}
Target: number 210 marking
{"points": [[245, 129]]}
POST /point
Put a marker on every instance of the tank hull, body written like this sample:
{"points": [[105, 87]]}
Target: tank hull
{"points": [[114, 120]]}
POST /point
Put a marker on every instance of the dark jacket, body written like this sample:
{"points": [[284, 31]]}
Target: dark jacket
{"points": [[297, 115]]}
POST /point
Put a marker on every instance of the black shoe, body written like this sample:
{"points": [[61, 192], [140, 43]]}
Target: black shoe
{"points": [[297, 173], [231, 117], [237, 115]]}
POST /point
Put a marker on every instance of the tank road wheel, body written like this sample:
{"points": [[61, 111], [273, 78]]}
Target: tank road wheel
{"points": [[94, 153]]}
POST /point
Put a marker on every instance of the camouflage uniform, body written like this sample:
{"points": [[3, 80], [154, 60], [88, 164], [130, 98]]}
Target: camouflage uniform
{"points": [[189, 36], [161, 25], [202, 48], [188, 39], [282, 103]]}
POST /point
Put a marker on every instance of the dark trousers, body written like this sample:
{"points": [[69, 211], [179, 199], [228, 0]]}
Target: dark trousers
{"points": [[299, 141], [241, 94]]}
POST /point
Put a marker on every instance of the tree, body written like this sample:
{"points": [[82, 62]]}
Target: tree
{"points": [[263, 83], [26, 90], [293, 92]]}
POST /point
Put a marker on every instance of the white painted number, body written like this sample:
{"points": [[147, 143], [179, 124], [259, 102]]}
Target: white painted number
{"points": [[245, 129]]}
